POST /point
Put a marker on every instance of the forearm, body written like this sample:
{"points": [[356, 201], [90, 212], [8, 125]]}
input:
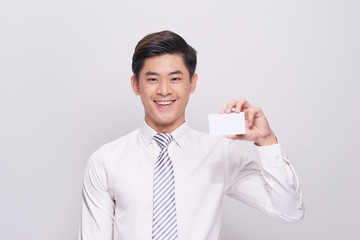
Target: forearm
{"points": [[282, 184]]}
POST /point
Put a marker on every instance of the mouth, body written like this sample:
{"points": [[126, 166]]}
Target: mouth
{"points": [[164, 103]]}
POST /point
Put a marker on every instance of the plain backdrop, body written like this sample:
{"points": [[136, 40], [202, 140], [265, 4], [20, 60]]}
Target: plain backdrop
{"points": [[65, 69]]}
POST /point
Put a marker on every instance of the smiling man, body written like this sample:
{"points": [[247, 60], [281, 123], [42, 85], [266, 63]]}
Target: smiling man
{"points": [[164, 89], [166, 180]]}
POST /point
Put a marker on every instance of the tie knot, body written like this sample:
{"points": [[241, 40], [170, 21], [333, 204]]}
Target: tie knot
{"points": [[163, 139]]}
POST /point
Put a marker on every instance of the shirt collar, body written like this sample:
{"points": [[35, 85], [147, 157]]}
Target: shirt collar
{"points": [[179, 134]]}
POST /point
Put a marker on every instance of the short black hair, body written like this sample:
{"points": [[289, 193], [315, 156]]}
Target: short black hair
{"points": [[159, 43]]}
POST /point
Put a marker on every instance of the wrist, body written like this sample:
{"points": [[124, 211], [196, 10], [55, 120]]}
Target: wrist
{"points": [[265, 141]]}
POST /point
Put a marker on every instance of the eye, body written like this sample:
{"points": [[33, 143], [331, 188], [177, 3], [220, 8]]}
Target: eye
{"points": [[175, 79], [152, 79]]}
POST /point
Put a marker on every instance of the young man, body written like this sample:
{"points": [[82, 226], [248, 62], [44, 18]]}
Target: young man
{"points": [[166, 180]]}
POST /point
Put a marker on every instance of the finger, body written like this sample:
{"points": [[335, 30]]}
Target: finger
{"points": [[239, 105], [230, 106], [242, 104], [236, 137], [251, 113], [257, 112], [222, 111]]}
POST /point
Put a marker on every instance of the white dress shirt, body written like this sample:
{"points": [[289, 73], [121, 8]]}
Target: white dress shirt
{"points": [[118, 185]]}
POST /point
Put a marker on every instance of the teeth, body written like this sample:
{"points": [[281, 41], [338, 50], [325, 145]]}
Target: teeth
{"points": [[164, 102]]}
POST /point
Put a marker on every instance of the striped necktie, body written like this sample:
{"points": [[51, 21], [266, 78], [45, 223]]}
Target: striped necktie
{"points": [[164, 212]]}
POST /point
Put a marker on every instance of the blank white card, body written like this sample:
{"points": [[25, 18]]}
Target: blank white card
{"points": [[227, 124]]}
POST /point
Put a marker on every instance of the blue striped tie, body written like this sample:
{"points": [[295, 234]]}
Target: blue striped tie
{"points": [[164, 212]]}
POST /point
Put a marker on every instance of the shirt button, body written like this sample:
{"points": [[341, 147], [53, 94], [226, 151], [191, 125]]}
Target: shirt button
{"points": [[277, 156]]}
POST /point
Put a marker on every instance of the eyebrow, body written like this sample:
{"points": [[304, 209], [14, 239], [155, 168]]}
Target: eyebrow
{"points": [[176, 72], [150, 73]]}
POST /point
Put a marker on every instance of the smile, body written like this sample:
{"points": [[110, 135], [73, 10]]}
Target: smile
{"points": [[164, 103]]}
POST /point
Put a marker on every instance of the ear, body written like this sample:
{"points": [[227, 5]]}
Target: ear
{"points": [[135, 85], [193, 82]]}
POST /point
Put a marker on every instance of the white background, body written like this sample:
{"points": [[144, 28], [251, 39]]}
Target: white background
{"points": [[65, 69]]}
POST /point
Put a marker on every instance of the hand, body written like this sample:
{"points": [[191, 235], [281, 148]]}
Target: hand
{"points": [[257, 127]]}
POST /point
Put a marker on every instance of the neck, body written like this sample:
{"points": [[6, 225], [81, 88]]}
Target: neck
{"points": [[168, 128]]}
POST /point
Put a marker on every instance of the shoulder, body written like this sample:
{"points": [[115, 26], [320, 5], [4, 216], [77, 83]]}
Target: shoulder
{"points": [[116, 146], [125, 140]]}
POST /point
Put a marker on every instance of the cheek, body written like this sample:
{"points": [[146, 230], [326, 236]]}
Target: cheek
{"points": [[146, 100], [185, 92], [145, 91], [183, 89]]}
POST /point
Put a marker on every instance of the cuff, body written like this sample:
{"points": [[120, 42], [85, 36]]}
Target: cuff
{"points": [[272, 155]]}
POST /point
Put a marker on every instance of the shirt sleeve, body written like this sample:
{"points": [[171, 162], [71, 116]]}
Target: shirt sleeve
{"points": [[271, 186], [97, 215]]}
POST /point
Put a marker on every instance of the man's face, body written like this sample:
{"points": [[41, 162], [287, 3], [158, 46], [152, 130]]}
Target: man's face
{"points": [[164, 87]]}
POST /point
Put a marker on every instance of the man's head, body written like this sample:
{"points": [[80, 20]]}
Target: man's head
{"points": [[164, 77], [160, 43]]}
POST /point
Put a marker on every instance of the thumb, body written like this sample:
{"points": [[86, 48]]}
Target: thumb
{"points": [[236, 137]]}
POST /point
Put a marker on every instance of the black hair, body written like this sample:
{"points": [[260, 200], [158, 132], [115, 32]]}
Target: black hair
{"points": [[159, 43]]}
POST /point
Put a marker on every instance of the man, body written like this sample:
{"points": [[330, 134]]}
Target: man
{"points": [[166, 180]]}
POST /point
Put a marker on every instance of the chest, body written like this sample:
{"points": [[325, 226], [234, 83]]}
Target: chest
{"points": [[196, 172]]}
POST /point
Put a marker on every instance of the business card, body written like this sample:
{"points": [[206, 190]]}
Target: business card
{"points": [[227, 124]]}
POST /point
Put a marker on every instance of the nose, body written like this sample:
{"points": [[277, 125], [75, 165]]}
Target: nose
{"points": [[164, 88]]}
